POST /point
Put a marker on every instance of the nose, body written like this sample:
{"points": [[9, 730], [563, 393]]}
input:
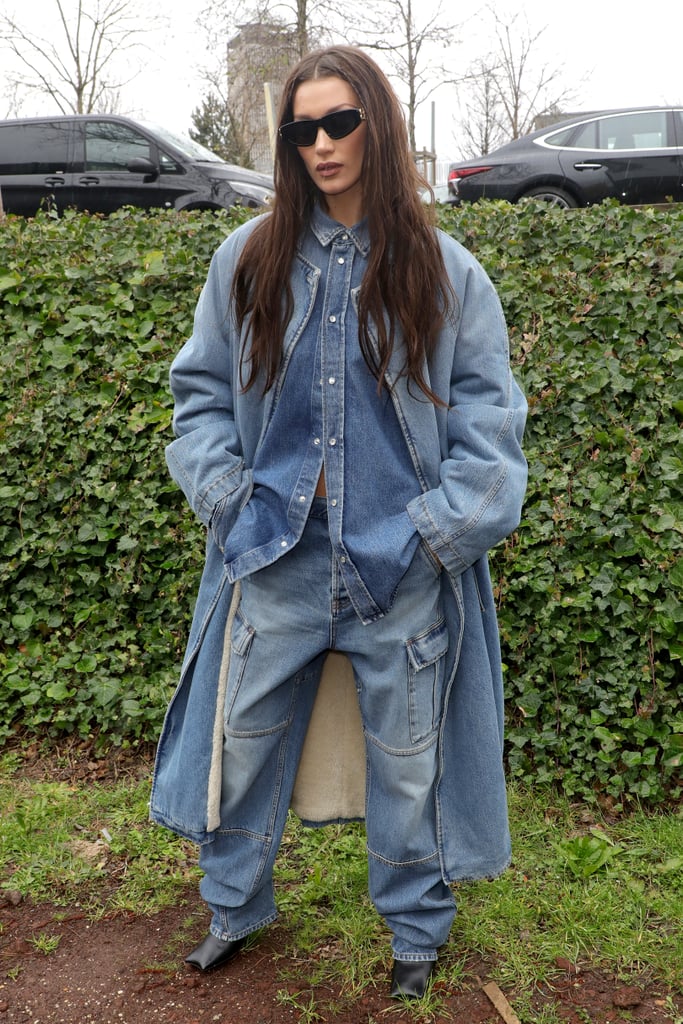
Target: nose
{"points": [[322, 140]]}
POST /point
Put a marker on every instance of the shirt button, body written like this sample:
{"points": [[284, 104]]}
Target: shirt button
{"points": [[343, 559], [333, 319], [302, 497], [332, 442], [340, 260], [331, 380], [345, 238], [334, 502], [316, 440], [283, 543]]}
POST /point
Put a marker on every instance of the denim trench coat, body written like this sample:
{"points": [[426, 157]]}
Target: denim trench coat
{"points": [[467, 456]]}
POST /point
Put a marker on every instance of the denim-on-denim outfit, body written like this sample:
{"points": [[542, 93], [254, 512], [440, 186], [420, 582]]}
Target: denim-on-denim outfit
{"points": [[327, 409], [410, 487]]}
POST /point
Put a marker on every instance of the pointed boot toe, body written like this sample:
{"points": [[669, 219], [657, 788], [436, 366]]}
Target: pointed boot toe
{"points": [[410, 980], [212, 952]]}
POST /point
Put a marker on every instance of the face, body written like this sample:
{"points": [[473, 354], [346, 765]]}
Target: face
{"points": [[334, 165]]}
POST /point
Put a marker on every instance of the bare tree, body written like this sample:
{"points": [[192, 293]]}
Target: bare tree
{"points": [[250, 44], [409, 35], [507, 90], [77, 68], [481, 130], [409, 40], [305, 22]]}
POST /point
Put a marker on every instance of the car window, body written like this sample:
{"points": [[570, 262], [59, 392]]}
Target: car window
{"points": [[168, 164], [39, 148], [640, 130], [110, 146], [678, 122], [190, 149], [561, 138]]}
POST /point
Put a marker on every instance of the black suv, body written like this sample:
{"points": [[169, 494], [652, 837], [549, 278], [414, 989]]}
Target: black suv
{"points": [[99, 163]]}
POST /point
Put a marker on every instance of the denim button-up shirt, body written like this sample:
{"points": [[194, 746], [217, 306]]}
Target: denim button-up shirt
{"points": [[329, 412]]}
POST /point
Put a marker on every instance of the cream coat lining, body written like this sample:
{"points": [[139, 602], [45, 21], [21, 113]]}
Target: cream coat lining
{"points": [[216, 770], [330, 781]]}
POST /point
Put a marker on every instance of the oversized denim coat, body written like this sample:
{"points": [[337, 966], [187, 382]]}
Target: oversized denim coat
{"points": [[469, 462]]}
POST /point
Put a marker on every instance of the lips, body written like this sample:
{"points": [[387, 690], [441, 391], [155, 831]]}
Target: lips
{"points": [[325, 170]]}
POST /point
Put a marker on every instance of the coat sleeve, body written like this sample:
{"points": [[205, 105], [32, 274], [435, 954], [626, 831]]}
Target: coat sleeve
{"points": [[483, 471], [205, 459]]}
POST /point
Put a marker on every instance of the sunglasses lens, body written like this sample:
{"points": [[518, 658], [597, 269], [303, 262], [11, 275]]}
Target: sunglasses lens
{"points": [[299, 133], [341, 123], [336, 126]]}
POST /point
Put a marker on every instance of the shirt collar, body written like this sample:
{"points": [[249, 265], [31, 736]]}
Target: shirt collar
{"points": [[327, 230]]}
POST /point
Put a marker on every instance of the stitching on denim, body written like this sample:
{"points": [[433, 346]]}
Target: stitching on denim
{"points": [[399, 864], [401, 751]]}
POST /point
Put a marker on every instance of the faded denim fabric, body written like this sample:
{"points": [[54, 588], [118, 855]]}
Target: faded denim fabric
{"points": [[468, 461], [328, 410], [290, 614]]}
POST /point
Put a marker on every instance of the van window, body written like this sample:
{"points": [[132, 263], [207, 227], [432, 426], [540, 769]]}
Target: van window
{"points": [[168, 164], [678, 123], [33, 147], [110, 146]]}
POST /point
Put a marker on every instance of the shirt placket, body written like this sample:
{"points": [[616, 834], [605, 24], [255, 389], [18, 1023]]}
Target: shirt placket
{"points": [[337, 297]]}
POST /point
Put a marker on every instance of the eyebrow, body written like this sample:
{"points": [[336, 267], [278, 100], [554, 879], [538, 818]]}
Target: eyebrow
{"points": [[332, 110]]}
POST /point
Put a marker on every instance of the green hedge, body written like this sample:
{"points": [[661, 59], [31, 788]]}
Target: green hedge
{"points": [[101, 559]]}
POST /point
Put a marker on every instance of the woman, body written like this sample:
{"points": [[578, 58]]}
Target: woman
{"points": [[348, 429]]}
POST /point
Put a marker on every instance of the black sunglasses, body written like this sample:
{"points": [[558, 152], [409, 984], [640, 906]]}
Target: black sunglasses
{"points": [[337, 126]]}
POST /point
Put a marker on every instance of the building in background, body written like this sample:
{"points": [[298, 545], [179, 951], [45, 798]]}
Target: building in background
{"points": [[259, 58]]}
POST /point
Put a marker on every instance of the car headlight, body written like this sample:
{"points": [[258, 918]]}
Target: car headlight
{"points": [[259, 193]]}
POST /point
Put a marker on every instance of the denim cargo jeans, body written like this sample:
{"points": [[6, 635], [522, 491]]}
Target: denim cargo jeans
{"points": [[290, 614]]}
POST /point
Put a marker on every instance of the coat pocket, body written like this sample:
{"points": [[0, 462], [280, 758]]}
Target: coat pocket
{"points": [[426, 666]]}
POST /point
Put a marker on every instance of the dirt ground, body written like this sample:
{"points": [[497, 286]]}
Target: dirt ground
{"points": [[112, 972], [127, 969]]}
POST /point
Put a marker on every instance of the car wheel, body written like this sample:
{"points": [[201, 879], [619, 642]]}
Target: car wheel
{"points": [[553, 196]]}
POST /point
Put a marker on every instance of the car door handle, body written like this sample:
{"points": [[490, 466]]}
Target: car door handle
{"points": [[588, 167], [54, 181], [88, 181]]}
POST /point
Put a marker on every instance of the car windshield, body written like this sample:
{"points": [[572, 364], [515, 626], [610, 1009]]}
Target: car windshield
{"points": [[188, 147]]}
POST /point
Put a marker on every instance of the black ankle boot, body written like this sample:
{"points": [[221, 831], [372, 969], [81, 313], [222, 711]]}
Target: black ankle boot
{"points": [[409, 978], [212, 952]]}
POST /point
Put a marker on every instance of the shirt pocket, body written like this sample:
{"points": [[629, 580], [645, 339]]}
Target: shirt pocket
{"points": [[426, 667]]}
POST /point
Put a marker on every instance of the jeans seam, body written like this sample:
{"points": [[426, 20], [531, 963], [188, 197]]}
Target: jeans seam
{"points": [[419, 748], [400, 864]]}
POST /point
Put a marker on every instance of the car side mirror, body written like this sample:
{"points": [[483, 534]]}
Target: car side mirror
{"points": [[141, 165]]}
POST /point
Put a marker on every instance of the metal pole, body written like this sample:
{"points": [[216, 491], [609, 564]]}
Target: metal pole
{"points": [[270, 116], [433, 143]]}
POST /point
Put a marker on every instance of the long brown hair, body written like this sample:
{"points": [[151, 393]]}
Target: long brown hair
{"points": [[405, 287]]}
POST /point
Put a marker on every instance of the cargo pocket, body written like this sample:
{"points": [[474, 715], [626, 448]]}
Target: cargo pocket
{"points": [[240, 643], [426, 666]]}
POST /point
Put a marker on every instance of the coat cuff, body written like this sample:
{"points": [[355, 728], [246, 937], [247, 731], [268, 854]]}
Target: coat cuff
{"points": [[426, 510]]}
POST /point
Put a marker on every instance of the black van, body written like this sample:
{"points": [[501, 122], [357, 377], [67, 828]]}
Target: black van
{"points": [[99, 163]]}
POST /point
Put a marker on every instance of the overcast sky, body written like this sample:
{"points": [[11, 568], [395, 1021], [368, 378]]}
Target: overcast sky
{"points": [[607, 56]]}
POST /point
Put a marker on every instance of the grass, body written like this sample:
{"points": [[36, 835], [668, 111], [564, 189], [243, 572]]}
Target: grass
{"points": [[580, 888], [623, 914], [87, 843]]}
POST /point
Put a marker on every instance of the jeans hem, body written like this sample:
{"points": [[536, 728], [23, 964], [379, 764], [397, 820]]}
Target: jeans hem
{"points": [[227, 937], [416, 958]]}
